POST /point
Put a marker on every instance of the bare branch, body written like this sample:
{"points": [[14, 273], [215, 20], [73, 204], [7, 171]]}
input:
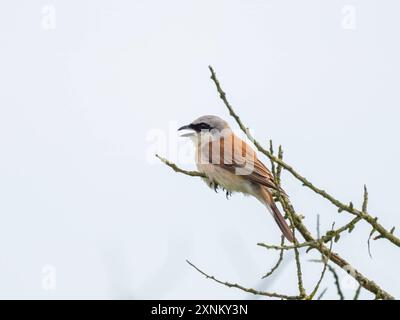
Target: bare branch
{"points": [[365, 200], [335, 276], [322, 294], [369, 242], [174, 167], [334, 257], [277, 264], [357, 294], [335, 234], [249, 290], [337, 259], [291, 247], [337, 282], [325, 260], [288, 212], [300, 284], [318, 227]]}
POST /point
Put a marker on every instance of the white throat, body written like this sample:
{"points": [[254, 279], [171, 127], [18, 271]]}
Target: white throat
{"points": [[203, 138]]}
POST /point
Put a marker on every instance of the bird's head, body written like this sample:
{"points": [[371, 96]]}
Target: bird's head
{"points": [[211, 126]]}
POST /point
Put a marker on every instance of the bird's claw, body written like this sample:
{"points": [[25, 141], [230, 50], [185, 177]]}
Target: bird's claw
{"points": [[214, 186]]}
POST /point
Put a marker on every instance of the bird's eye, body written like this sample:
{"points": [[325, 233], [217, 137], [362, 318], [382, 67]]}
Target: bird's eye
{"points": [[202, 126]]}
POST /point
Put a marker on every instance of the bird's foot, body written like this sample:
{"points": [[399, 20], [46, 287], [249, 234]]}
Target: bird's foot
{"points": [[214, 186]]}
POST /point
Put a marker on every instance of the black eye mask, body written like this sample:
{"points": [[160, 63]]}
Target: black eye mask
{"points": [[200, 126]]}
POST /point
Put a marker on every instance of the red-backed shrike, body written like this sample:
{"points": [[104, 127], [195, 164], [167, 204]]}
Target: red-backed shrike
{"points": [[231, 163]]}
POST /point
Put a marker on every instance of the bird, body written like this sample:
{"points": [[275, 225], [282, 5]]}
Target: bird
{"points": [[229, 162]]}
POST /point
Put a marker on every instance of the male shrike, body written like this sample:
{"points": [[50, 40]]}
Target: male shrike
{"points": [[231, 163]]}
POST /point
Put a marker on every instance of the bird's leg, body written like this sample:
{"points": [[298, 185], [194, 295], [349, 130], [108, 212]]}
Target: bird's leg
{"points": [[214, 185]]}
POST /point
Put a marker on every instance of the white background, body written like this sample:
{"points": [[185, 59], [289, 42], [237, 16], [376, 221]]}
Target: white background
{"points": [[86, 211]]}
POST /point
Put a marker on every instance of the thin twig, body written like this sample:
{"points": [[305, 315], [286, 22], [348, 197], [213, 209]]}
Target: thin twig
{"points": [[365, 199], [331, 269], [300, 284], [279, 167], [322, 294], [174, 167], [357, 294], [335, 276], [335, 234], [337, 282], [280, 259], [288, 212], [369, 242], [290, 247], [325, 260], [249, 290]]}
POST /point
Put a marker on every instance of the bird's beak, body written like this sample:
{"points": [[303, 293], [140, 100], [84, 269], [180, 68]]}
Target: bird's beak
{"points": [[187, 127]]}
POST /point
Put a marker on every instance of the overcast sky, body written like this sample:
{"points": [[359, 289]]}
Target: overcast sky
{"points": [[90, 90]]}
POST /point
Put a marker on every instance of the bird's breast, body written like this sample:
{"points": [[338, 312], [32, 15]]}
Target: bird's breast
{"points": [[226, 179]]}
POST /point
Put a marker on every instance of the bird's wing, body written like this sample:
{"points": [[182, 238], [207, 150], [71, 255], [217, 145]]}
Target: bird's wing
{"points": [[235, 155]]}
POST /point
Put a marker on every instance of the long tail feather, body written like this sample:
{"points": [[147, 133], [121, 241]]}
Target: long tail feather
{"points": [[287, 232], [269, 202]]}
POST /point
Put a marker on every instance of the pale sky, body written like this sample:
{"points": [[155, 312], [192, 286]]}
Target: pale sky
{"points": [[87, 212]]}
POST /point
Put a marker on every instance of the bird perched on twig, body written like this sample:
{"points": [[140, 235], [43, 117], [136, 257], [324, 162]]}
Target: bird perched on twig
{"points": [[231, 163]]}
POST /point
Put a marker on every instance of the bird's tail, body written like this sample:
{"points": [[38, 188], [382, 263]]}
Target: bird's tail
{"points": [[269, 202]]}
